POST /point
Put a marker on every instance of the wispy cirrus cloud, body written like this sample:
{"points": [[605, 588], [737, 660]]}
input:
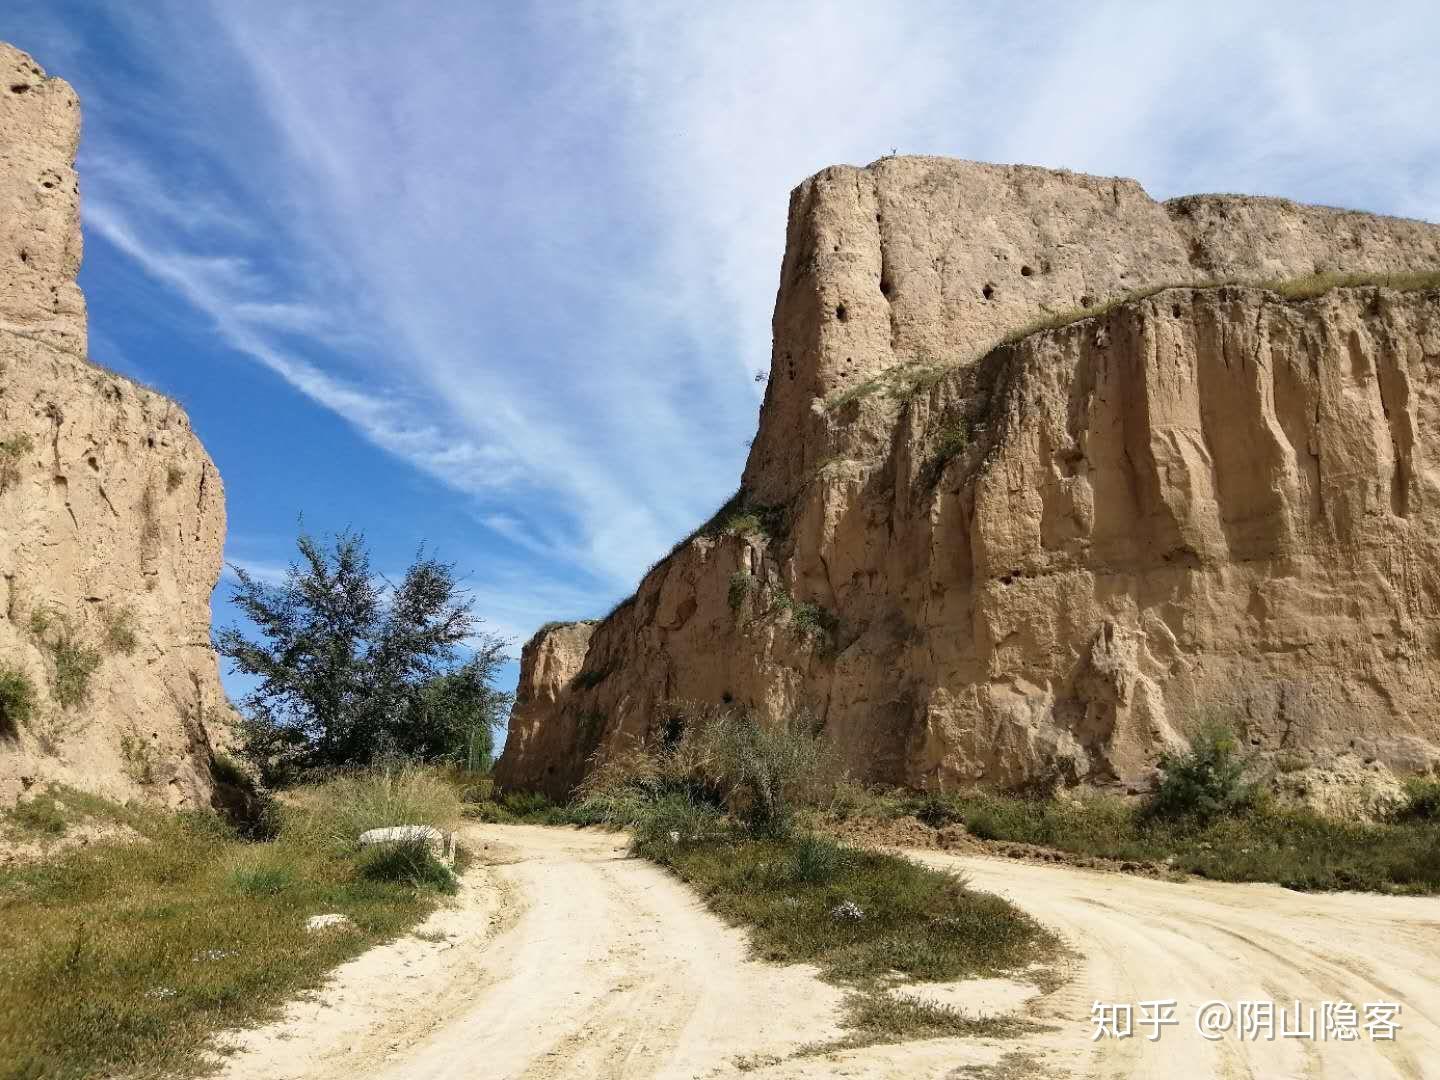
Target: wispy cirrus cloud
{"points": [[531, 252]]}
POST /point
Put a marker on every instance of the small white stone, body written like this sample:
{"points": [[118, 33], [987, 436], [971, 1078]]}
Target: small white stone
{"points": [[325, 922]]}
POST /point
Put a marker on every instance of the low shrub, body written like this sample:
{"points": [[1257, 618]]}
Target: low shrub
{"points": [[1422, 800], [764, 769], [12, 450], [41, 814], [742, 584], [808, 620], [72, 659], [815, 859], [120, 636], [407, 862], [1208, 781], [74, 662], [17, 699]]}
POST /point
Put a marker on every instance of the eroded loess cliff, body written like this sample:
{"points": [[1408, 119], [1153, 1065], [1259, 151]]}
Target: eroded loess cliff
{"points": [[986, 551], [112, 516]]}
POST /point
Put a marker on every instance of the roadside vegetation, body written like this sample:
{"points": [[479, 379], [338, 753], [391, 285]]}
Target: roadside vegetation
{"points": [[127, 956], [1211, 816], [131, 936], [720, 801]]}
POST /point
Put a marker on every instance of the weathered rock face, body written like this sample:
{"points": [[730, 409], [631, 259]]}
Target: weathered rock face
{"points": [[112, 516], [1050, 559]]}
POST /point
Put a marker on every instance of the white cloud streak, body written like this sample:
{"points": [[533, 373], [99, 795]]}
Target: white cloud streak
{"points": [[534, 254]]}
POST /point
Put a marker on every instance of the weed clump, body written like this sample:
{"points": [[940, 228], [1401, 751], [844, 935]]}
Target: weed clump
{"points": [[407, 862], [17, 699], [742, 584], [120, 636], [333, 814], [12, 450], [809, 621]]}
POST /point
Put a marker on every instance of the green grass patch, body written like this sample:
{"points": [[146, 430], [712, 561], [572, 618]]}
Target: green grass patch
{"points": [[1422, 800], [518, 808], [854, 913], [880, 1017], [1266, 843], [127, 959]]}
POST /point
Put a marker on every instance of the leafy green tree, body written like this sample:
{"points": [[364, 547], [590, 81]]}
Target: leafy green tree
{"points": [[350, 668], [454, 716]]}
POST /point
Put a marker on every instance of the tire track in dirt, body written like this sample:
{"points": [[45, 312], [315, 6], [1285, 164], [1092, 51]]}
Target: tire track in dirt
{"points": [[566, 959]]}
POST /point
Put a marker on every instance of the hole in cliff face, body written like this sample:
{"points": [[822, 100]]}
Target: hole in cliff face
{"points": [[842, 312], [1025, 271], [886, 288], [20, 88], [1175, 310], [93, 463], [24, 256], [1087, 301], [988, 292]]}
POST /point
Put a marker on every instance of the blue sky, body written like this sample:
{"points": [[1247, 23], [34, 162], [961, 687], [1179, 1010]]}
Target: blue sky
{"points": [[498, 277]]}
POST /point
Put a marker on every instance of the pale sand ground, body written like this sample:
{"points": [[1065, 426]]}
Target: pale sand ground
{"points": [[566, 959]]}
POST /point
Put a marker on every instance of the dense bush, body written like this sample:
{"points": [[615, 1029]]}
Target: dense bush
{"points": [[711, 759], [1422, 800], [1208, 781], [764, 768]]}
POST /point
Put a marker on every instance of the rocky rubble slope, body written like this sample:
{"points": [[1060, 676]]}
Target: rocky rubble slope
{"points": [[112, 516], [984, 540]]}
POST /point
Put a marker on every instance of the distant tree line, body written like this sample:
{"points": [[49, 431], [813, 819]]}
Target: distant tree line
{"points": [[352, 668]]}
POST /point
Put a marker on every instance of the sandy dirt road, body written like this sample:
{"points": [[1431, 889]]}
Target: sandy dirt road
{"points": [[564, 958]]}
